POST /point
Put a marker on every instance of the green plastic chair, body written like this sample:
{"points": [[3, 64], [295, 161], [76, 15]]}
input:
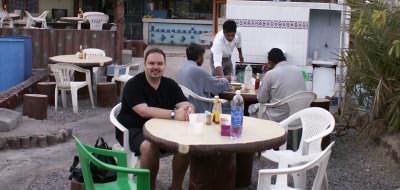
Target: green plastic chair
{"points": [[85, 153]]}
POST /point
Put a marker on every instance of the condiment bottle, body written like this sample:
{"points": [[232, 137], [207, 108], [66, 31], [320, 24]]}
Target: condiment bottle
{"points": [[257, 83], [80, 55], [216, 110]]}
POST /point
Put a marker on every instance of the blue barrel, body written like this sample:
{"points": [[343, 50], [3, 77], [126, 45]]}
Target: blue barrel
{"points": [[12, 62], [27, 53]]}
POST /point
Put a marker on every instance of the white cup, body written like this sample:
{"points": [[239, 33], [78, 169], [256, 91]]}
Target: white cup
{"points": [[195, 123]]}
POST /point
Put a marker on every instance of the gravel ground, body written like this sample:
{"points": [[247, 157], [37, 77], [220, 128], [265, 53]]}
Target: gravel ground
{"points": [[354, 164]]}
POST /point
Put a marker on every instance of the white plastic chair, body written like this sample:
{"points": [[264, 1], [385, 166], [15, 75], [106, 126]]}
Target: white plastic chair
{"points": [[189, 93], [97, 71], [96, 21], [4, 18], [316, 123], [31, 20], [64, 76], [84, 15], [296, 102], [320, 160], [94, 51], [132, 159]]}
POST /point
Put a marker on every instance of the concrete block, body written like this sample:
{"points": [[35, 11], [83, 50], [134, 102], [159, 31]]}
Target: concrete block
{"points": [[9, 119]]}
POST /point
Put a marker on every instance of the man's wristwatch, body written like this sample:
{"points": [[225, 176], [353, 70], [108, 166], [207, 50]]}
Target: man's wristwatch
{"points": [[172, 114]]}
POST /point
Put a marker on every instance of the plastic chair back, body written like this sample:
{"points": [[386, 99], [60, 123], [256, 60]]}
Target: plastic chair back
{"points": [[96, 21], [85, 14], [295, 102], [316, 124], [85, 153], [132, 159], [94, 51], [41, 18], [189, 93], [320, 161], [63, 73]]}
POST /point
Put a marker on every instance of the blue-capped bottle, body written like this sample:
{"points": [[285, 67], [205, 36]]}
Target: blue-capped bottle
{"points": [[237, 108]]}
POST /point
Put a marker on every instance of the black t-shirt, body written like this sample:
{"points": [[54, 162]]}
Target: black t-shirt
{"points": [[137, 90]]}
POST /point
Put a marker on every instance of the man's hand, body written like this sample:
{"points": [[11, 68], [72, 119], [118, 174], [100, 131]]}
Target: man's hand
{"points": [[182, 113], [241, 60], [219, 73]]}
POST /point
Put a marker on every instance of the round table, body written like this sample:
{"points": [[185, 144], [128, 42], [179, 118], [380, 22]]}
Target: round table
{"points": [[212, 157], [89, 62]]}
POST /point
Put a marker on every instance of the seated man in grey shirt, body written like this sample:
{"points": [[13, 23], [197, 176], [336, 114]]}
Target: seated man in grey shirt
{"points": [[281, 80], [192, 76]]}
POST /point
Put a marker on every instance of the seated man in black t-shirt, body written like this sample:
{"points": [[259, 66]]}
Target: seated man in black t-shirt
{"points": [[150, 95]]}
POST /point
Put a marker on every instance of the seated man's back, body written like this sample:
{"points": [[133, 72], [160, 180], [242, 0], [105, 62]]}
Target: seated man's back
{"points": [[282, 81], [192, 76]]}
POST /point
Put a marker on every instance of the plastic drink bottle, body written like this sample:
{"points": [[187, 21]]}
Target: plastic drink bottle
{"points": [[257, 83], [237, 107], [248, 75]]}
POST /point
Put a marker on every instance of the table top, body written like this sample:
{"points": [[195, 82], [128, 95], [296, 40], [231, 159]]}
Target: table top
{"points": [[90, 61], [71, 19], [13, 15], [249, 95], [257, 135]]}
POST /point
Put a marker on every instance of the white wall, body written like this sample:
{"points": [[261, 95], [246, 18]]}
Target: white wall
{"points": [[269, 28], [286, 25], [56, 4]]}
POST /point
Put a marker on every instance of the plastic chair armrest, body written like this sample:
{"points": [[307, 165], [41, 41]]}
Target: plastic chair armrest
{"points": [[87, 76], [310, 140]]}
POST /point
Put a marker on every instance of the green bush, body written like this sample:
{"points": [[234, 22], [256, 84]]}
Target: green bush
{"points": [[373, 59]]}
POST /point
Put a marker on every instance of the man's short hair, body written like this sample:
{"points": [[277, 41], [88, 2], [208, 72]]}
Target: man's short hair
{"points": [[154, 50], [229, 26], [276, 55], [194, 51]]}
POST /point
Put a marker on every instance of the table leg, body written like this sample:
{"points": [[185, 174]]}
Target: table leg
{"points": [[209, 172], [244, 169]]}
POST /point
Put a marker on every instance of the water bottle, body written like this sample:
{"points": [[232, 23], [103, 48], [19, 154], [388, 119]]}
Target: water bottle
{"points": [[237, 107], [248, 75]]}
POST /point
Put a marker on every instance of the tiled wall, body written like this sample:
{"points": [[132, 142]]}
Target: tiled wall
{"points": [[265, 27], [176, 33]]}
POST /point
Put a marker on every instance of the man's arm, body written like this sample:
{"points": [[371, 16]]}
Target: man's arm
{"points": [[217, 54], [214, 85], [183, 109], [241, 59], [264, 92], [219, 72], [152, 112]]}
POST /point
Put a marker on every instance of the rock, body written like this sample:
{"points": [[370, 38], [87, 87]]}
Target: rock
{"points": [[13, 142], [25, 142], [42, 140], [9, 119], [51, 139], [3, 143], [34, 141]]}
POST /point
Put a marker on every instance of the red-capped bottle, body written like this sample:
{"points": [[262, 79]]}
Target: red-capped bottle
{"points": [[257, 83]]}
